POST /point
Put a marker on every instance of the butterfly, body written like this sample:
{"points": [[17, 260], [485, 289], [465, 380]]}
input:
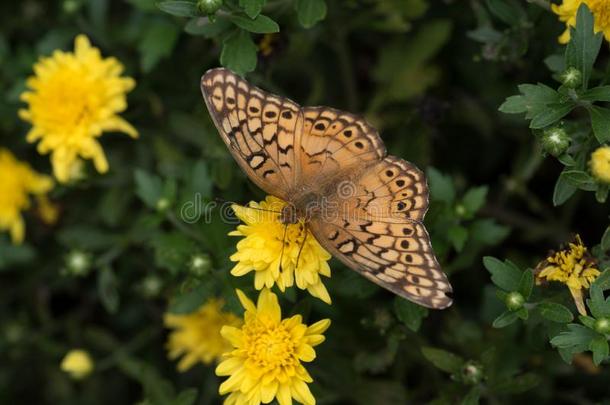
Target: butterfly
{"points": [[362, 205]]}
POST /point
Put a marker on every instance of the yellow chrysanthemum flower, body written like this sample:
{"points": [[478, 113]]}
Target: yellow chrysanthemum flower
{"points": [[197, 335], [600, 164], [302, 257], [572, 266], [77, 363], [17, 181], [268, 351], [569, 8], [72, 99]]}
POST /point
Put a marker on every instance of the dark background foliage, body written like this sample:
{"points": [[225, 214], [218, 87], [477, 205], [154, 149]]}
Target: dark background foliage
{"points": [[429, 75]]}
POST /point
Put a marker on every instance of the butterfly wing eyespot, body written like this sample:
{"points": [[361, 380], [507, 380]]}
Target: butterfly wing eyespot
{"points": [[259, 128]]}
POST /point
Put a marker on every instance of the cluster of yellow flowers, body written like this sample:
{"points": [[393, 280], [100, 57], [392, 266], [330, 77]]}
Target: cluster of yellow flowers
{"points": [[72, 98], [568, 10]]}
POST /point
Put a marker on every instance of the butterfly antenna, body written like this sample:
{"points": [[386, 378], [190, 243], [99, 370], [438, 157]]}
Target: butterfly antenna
{"points": [[283, 245], [222, 200], [301, 248]]}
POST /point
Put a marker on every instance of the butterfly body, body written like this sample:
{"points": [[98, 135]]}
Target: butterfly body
{"points": [[332, 168]]}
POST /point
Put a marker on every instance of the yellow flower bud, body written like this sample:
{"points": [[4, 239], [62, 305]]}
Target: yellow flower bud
{"points": [[77, 363]]}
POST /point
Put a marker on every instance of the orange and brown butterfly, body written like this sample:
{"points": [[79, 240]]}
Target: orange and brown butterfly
{"points": [[332, 168]]}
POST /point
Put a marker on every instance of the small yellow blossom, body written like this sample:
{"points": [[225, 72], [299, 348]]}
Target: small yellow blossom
{"points": [[197, 336], [261, 250], [600, 164], [568, 10], [17, 181], [572, 266], [77, 363], [72, 99], [268, 351]]}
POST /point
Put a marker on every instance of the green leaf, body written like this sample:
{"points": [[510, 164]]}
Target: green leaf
{"points": [[584, 45], [537, 98], [577, 338], [488, 232], [599, 347], [13, 255], [409, 313], [186, 397], [601, 93], [157, 43], [209, 29], [522, 313], [605, 240], [239, 52], [107, 288], [252, 7], [473, 396], [526, 283], [148, 187], [550, 115], [505, 319], [507, 11], [588, 321], [600, 121], [190, 300], [310, 12], [259, 25], [503, 274], [173, 251], [179, 8], [517, 384], [441, 186], [458, 235], [475, 198], [597, 303], [443, 360], [555, 312], [514, 105], [563, 190], [580, 179]]}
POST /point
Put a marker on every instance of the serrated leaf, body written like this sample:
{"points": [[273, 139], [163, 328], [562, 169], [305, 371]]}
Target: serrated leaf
{"points": [[178, 8], [597, 303], [555, 312], [600, 121], [577, 338], [505, 319], [443, 360], [239, 52], [550, 115], [584, 45], [310, 12], [503, 274], [409, 313], [537, 98], [514, 105], [601, 93], [259, 25], [579, 179]]}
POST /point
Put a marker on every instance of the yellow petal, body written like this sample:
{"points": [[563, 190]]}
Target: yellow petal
{"points": [[268, 305], [245, 301]]}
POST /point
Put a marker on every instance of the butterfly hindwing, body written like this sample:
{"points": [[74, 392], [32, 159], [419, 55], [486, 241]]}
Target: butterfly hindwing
{"points": [[260, 129]]}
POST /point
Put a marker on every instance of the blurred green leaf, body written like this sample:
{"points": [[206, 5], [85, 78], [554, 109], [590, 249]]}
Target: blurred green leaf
{"points": [[457, 235], [148, 187], [192, 299], [508, 11], [252, 7], [580, 179], [239, 52], [157, 43], [209, 29], [409, 313], [601, 93], [505, 319], [107, 287], [310, 12], [488, 232], [443, 359], [441, 186], [179, 8], [259, 25], [12, 255], [584, 45], [576, 338], [526, 284], [599, 347], [555, 312], [474, 198], [517, 384], [503, 274], [563, 190]]}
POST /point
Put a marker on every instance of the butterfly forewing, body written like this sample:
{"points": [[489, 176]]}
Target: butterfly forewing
{"points": [[373, 204], [258, 128]]}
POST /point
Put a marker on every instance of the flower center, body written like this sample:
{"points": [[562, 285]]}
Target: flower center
{"points": [[269, 347]]}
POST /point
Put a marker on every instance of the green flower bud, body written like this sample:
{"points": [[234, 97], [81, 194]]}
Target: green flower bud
{"points": [[602, 325], [151, 286], [514, 301], [460, 210], [472, 372], [200, 264], [78, 263], [162, 204], [571, 78], [208, 6], [555, 141]]}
